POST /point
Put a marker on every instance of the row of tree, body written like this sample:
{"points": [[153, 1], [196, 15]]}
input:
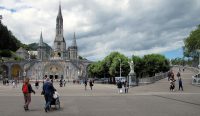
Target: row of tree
{"points": [[109, 67], [181, 61]]}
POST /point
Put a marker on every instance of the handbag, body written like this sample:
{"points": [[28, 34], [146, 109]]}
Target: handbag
{"points": [[120, 91], [55, 95]]}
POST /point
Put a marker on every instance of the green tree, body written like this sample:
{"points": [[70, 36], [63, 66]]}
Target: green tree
{"points": [[192, 43], [139, 66], [111, 64], [96, 69], [156, 63]]}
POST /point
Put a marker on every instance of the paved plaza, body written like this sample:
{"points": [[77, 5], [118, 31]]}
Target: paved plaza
{"points": [[146, 100]]}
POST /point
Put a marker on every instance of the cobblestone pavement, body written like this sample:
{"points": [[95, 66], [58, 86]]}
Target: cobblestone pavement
{"points": [[152, 100]]}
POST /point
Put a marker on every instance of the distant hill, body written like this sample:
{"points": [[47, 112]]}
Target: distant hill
{"points": [[34, 46]]}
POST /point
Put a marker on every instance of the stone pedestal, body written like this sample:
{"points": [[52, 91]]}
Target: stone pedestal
{"points": [[132, 79]]}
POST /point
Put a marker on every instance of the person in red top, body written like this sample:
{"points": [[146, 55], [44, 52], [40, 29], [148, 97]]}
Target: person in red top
{"points": [[27, 90]]}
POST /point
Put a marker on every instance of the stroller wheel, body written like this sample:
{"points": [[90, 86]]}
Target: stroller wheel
{"points": [[57, 104]]}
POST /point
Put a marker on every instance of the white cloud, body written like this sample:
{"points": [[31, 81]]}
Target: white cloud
{"points": [[136, 27]]}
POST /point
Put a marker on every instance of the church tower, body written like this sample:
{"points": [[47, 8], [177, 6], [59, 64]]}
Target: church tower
{"points": [[41, 49], [59, 42], [73, 50]]}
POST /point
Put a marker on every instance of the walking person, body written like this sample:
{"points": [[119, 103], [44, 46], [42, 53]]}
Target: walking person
{"points": [[13, 84], [27, 90], [36, 84], [119, 86], [85, 83], [61, 82], [64, 82], [48, 91], [91, 84], [178, 74], [180, 84], [126, 86]]}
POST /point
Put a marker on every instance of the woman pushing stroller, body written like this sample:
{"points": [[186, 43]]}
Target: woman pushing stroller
{"points": [[48, 91]]}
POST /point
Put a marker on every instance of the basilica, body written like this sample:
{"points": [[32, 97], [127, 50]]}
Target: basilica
{"points": [[61, 62]]}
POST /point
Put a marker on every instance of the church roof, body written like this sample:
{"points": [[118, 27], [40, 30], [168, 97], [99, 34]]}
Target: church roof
{"points": [[21, 50]]}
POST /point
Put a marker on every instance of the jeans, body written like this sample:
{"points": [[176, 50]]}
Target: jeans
{"points": [[27, 99], [48, 99]]}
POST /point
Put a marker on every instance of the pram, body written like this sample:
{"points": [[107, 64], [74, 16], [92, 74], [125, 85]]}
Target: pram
{"points": [[55, 101], [172, 85]]}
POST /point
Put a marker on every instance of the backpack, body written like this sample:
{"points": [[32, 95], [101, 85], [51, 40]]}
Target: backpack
{"points": [[25, 88]]}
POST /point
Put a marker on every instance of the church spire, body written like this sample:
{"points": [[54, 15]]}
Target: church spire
{"points": [[74, 41], [59, 11], [41, 40], [59, 22]]}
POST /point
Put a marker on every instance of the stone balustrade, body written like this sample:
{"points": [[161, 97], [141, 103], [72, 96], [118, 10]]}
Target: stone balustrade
{"points": [[149, 80]]}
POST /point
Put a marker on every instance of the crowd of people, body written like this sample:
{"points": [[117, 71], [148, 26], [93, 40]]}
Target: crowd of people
{"points": [[48, 89]]}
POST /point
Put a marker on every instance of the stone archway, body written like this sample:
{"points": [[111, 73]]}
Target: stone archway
{"points": [[4, 71], [16, 71], [54, 71]]}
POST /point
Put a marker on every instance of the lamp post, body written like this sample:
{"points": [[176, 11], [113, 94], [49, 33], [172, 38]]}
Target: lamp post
{"points": [[120, 70], [199, 59]]}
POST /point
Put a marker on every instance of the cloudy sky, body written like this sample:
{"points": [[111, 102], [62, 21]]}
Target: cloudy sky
{"points": [[136, 27]]}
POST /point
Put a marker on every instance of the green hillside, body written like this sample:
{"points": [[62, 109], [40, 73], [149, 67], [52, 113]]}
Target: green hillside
{"points": [[9, 43]]}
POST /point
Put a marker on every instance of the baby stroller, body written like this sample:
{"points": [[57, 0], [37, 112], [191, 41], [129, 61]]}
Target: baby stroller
{"points": [[172, 85], [55, 101]]}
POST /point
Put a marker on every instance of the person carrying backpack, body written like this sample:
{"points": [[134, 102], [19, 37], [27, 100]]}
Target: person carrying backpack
{"points": [[27, 90]]}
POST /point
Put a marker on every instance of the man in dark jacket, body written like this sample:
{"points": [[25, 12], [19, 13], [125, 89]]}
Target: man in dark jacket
{"points": [[48, 91]]}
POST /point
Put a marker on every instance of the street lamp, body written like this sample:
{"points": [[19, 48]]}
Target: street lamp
{"points": [[199, 59], [120, 71]]}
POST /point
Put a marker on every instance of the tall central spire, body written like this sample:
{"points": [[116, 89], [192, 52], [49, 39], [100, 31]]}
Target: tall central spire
{"points": [[59, 11], [59, 22], [59, 42]]}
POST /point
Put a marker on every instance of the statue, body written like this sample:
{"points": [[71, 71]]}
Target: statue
{"points": [[132, 76], [131, 67]]}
